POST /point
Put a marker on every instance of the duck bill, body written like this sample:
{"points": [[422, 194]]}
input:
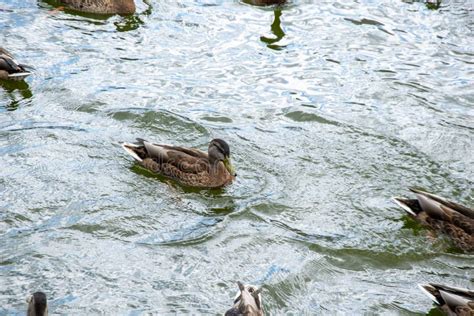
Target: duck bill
{"points": [[229, 167]]}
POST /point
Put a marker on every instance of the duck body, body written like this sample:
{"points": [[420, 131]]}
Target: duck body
{"points": [[247, 302], [452, 300], [37, 305], [440, 214], [101, 6], [188, 166], [10, 69]]}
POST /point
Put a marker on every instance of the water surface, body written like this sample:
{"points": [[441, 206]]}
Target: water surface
{"points": [[330, 108]]}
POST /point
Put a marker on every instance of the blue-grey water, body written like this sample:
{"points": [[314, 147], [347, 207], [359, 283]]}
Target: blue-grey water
{"points": [[330, 109]]}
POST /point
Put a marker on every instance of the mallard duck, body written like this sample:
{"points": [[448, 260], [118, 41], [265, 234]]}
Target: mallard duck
{"points": [[438, 213], [37, 305], [10, 68], [248, 302], [452, 300], [188, 166], [102, 6]]}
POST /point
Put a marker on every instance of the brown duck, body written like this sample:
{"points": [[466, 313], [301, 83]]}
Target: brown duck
{"points": [[188, 166], [101, 6], [37, 305], [452, 300], [442, 215], [10, 68], [248, 302]]}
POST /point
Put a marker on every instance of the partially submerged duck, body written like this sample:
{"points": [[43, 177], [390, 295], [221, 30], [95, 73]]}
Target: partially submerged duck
{"points": [[452, 300], [188, 166], [37, 305], [10, 68], [101, 6], [440, 214], [248, 302]]}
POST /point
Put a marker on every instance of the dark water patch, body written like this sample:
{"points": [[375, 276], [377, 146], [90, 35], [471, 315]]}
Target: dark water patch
{"points": [[300, 116], [188, 235], [364, 21]]}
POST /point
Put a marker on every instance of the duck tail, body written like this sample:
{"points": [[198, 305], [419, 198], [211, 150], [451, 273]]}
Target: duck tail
{"points": [[430, 291], [404, 204], [19, 75], [130, 149]]}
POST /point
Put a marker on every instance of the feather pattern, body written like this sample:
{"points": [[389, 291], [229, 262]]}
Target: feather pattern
{"points": [[453, 301], [102, 6], [10, 68], [188, 166], [442, 215]]}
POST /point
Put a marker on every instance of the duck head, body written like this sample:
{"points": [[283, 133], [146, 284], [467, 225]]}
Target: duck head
{"points": [[219, 151]]}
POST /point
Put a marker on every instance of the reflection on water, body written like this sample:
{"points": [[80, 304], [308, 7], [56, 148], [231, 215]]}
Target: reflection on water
{"points": [[276, 30], [134, 21], [17, 92]]}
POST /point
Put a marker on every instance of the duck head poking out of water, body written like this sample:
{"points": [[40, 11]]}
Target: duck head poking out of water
{"points": [[248, 302], [37, 305]]}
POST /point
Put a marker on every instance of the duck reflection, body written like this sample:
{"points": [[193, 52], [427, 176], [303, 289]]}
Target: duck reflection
{"points": [[17, 92], [276, 30], [433, 4], [133, 22]]}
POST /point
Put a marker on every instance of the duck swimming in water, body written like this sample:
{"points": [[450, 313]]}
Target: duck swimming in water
{"points": [[10, 68], [452, 300], [188, 166], [101, 6], [442, 215], [248, 302]]}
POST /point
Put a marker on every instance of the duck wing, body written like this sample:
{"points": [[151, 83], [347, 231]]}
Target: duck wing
{"points": [[455, 206], [189, 151], [12, 67], [182, 159], [8, 64], [454, 299]]}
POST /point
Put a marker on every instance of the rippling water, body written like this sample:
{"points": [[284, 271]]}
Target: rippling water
{"points": [[330, 108]]}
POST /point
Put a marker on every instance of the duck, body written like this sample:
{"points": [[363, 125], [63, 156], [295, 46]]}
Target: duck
{"points": [[124, 7], [453, 301], [442, 215], [10, 69], [188, 166], [37, 305], [248, 301]]}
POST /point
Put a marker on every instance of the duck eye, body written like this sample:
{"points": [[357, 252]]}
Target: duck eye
{"points": [[250, 290]]}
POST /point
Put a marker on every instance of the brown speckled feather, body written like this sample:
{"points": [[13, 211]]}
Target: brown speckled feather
{"points": [[452, 300], [443, 216], [102, 6]]}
